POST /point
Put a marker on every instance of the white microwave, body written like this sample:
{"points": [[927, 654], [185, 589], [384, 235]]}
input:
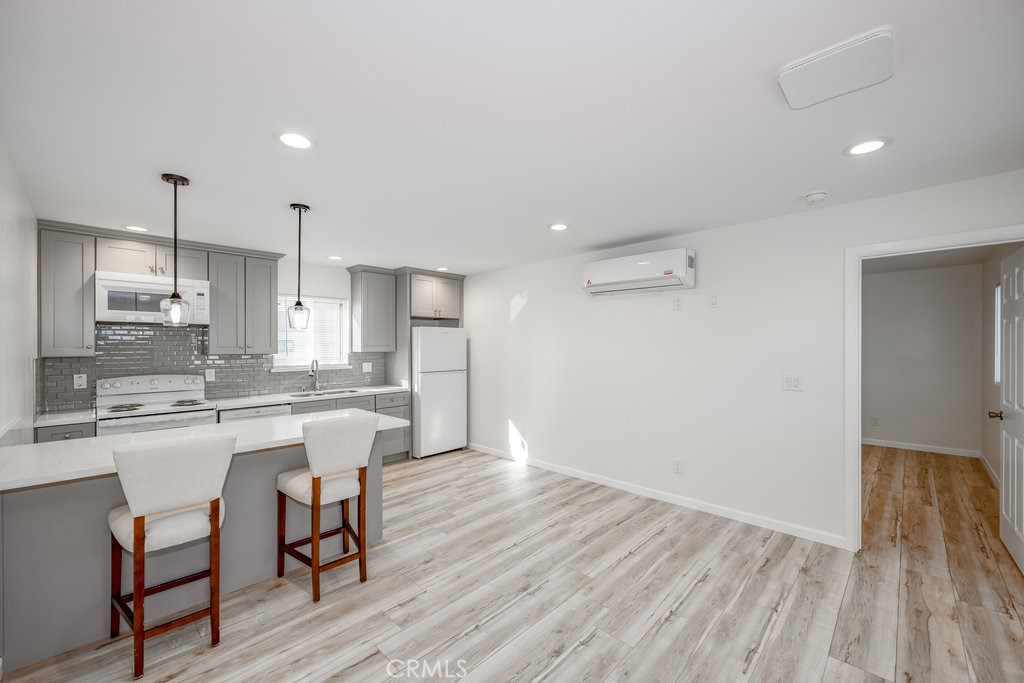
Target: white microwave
{"points": [[126, 298]]}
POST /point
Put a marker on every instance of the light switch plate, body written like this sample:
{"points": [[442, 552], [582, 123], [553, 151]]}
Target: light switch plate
{"points": [[792, 383], [211, 375], [81, 381], [367, 367]]}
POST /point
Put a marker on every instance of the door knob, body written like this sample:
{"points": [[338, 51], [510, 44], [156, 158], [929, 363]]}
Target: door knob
{"points": [[994, 414]]}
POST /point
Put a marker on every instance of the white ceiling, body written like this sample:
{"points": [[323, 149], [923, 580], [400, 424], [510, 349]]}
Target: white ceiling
{"points": [[453, 132]]}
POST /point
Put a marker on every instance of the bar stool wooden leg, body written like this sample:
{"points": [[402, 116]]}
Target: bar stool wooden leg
{"points": [[214, 572], [116, 555], [282, 503], [315, 540], [362, 524], [344, 523], [139, 594]]}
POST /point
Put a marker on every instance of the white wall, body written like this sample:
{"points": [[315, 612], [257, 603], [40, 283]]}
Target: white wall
{"points": [[619, 387], [18, 318], [921, 368], [990, 429]]}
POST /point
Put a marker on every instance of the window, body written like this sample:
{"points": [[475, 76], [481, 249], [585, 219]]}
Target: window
{"points": [[325, 339], [998, 336]]}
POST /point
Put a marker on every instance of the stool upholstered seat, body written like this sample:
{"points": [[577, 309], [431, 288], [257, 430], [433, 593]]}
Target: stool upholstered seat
{"points": [[173, 489], [334, 448]]}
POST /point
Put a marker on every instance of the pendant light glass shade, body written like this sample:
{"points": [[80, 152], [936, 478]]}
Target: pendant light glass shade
{"points": [[298, 315], [175, 310]]}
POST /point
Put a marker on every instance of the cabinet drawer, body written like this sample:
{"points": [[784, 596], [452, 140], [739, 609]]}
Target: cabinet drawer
{"points": [[65, 432], [391, 400], [312, 407], [362, 402]]}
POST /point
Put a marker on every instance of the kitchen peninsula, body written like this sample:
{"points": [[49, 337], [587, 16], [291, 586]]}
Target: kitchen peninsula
{"points": [[56, 542]]}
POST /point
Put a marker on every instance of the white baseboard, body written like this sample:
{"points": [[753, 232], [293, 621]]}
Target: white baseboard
{"points": [[992, 474], [738, 515], [928, 448], [491, 451]]}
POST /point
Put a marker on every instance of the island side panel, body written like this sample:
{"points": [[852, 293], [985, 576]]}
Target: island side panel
{"points": [[56, 551]]}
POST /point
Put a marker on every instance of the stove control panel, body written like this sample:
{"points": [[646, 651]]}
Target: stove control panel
{"points": [[143, 384]]}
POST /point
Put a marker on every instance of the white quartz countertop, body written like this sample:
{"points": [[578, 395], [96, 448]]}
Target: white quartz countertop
{"points": [[63, 461], [64, 417], [280, 399]]}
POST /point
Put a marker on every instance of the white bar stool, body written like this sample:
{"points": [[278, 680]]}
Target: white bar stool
{"points": [[334, 447], [173, 489]]}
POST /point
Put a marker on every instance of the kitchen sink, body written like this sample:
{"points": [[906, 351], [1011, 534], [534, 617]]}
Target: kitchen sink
{"points": [[331, 392]]}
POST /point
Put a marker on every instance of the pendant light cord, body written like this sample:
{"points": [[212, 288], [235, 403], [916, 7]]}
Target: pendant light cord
{"points": [[175, 239], [298, 285]]}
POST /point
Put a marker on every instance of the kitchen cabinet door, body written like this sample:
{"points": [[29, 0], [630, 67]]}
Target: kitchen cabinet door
{"points": [[373, 312], [67, 294], [312, 407], [125, 256], [361, 402], [396, 440], [422, 296], [227, 304], [260, 305], [192, 263], [449, 298]]}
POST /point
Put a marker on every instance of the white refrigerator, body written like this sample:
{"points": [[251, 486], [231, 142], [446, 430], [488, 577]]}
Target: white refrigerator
{"points": [[438, 390]]}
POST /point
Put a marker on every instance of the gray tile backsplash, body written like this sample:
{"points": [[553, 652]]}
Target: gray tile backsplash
{"points": [[127, 349]]}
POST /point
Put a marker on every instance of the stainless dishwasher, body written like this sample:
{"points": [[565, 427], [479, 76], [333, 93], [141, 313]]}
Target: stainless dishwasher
{"points": [[254, 413]]}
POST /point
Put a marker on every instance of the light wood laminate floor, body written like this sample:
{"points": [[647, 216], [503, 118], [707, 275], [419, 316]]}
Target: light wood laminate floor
{"points": [[513, 573]]}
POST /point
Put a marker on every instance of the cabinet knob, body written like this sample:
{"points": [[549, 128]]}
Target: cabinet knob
{"points": [[240, 346], [67, 436], [152, 269], [88, 346], [248, 346], [162, 269]]}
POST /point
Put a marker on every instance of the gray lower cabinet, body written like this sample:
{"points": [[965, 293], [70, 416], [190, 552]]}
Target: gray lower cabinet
{"points": [[373, 309], [243, 304], [125, 256], [67, 294], [361, 402], [192, 263], [397, 440], [65, 432], [312, 407]]}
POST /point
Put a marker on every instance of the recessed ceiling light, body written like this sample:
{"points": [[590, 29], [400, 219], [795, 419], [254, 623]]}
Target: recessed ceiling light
{"points": [[559, 227], [334, 258], [643, 263], [295, 140], [443, 268], [867, 146], [136, 228]]}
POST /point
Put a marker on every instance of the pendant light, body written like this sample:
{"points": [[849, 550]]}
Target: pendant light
{"points": [[175, 310], [298, 315]]}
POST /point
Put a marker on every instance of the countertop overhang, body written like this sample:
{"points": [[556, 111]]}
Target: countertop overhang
{"points": [[58, 462]]}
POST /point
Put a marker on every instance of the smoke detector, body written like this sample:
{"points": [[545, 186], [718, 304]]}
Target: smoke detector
{"points": [[812, 198]]}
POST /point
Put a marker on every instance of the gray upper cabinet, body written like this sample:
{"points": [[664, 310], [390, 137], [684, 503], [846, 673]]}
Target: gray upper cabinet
{"points": [[260, 305], [243, 304], [192, 263], [432, 296], [125, 256], [227, 304], [143, 258], [67, 294], [421, 296], [373, 310], [449, 298]]}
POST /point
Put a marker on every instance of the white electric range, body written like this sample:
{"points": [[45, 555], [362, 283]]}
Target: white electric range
{"points": [[147, 402]]}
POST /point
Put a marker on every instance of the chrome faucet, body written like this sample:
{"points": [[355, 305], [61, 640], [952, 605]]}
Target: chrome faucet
{"points": [[314, 372]]}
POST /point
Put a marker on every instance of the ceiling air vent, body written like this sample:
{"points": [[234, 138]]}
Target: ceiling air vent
{"points": [[839, 70]]}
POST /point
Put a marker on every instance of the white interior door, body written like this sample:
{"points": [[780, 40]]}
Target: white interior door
{"points": [[1011, 484]]}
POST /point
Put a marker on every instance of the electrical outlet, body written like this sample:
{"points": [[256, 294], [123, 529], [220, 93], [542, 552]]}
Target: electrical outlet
{"points": [[677, 466], [792, 383], [713, 301], [81, 381], [874, 422], [211, 375], [367, 367]]}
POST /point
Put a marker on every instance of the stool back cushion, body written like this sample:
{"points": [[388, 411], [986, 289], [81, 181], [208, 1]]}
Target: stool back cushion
{"points": [[166, 475], [339, 444]]}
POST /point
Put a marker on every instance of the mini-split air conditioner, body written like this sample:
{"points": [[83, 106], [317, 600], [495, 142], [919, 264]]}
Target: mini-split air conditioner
{"points": [[652, 272]]}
